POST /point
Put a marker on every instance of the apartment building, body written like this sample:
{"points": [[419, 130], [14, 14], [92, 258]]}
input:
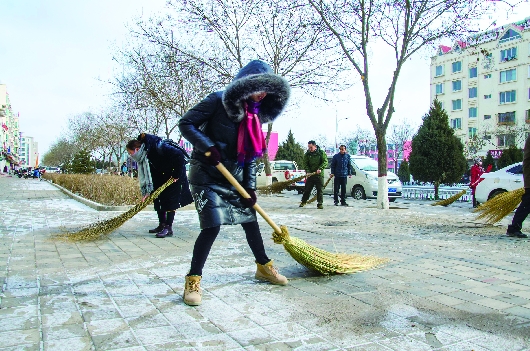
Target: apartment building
{"points": [[9, 132], [484, 85], [28, 152]]}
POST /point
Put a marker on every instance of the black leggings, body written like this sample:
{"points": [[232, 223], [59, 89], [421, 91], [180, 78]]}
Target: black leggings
{"points": [[205, 240], [166, 217]]}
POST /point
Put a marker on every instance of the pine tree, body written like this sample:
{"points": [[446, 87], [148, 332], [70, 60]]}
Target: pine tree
{"points": [[437, 155], [489, 161], [291, 150], [510, 156], [404, 172], [81, 163]]}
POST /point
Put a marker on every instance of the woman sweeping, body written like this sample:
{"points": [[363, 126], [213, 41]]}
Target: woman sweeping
{"points": [[226, 126], [157, 162]]}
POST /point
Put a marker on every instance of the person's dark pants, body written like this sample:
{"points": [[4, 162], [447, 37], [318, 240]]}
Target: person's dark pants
{"points": [[521, 213], [317, 182], [339, 182], [206, 238]]}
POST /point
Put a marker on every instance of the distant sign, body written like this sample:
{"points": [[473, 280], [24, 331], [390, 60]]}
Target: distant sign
{"points": [[496, 153]]}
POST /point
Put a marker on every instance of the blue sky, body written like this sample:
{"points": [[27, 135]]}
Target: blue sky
{"points": [[55, 53]]}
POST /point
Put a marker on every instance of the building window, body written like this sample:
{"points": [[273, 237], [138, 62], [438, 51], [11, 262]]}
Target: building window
{"points": [[457, 85], [505, 140], [507, 97], [457, 104], [473, 72], [472, 112], [472, 132], [508, 75], [457, 66], [487, 76], [439, 71], [527, 116], [487, 116], [456, 123], [472, 92], [509, 54], [487, 96], [507, 117], [528, 71], [440, 88]]}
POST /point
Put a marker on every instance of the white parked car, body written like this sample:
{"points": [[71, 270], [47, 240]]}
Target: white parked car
{"points": [[494, 183], [363, 184]]}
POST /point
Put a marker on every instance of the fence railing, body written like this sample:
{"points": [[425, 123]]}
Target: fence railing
{"points": [[427, 193]]}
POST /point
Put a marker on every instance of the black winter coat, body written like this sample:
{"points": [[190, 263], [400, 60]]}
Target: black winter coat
{"points": [[166, 161], [214, 122]]}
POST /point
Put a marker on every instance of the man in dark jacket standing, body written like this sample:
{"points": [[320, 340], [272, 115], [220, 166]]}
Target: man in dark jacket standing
{"points": [[341, 168], [226, 127], [315, 160], [514, 229]]}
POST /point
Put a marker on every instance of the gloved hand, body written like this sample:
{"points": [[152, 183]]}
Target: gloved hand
{"points": [[215, 157], [253, 198]]}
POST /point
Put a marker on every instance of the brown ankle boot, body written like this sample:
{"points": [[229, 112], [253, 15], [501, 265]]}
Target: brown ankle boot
{"points": [[192, 290], [270, 273]]}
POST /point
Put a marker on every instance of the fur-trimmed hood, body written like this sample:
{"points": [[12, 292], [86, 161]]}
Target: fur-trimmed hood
{"points": [[256, 77]]}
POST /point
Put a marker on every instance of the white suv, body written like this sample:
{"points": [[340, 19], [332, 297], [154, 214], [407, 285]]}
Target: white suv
{"points": [[363, 184]]}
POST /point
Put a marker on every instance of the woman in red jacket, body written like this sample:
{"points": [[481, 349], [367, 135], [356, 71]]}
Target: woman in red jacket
{"points": [[476, 172]]}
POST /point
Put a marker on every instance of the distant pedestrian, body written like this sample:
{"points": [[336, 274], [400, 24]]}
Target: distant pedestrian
{"points": [[157, 162], [5, 169], [315, 160], [476, 171], [341, 168], [124, 169], [514, 229]]}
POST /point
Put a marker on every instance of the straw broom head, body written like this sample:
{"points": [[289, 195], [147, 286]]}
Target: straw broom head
{"points": [[500, 206], [451, 199], [322, 261], [100, 229], [278, 187]]}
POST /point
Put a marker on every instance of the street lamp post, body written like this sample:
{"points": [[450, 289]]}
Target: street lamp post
{"points": [[337, 129]]}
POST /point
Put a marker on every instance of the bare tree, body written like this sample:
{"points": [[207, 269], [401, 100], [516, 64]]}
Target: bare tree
{"points": [[60, 153], [362, 140], [226, 34], [117, 131], [406, 27], [399, 134], [158, 86]]}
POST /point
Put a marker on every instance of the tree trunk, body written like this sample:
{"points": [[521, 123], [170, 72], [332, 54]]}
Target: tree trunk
{"points": [[436, 185], [382, 184]]}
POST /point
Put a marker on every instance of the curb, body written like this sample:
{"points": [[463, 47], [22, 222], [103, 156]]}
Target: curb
{"points": [[96, 206]]}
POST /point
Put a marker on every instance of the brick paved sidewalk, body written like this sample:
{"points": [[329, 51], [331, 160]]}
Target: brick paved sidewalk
{"points": [[452, 283]]}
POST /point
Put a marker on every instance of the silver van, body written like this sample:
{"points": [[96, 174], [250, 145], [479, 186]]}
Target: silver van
{"points": [[363, 184]]}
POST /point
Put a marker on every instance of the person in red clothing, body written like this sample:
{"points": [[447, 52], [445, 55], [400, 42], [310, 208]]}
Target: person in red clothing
{"points": [[476, 172]]}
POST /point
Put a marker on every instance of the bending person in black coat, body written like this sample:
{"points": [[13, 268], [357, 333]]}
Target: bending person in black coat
{"points": [[228, 125], [157, 162]]}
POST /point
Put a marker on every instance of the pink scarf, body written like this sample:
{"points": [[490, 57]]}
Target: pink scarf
{"points": [[250, 141]]}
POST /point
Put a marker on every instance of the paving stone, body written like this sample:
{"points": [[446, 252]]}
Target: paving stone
{"points": [[446, 287]]}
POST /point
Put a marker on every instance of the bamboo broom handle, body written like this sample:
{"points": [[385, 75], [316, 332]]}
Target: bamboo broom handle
{"points": [[244, 193]]}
